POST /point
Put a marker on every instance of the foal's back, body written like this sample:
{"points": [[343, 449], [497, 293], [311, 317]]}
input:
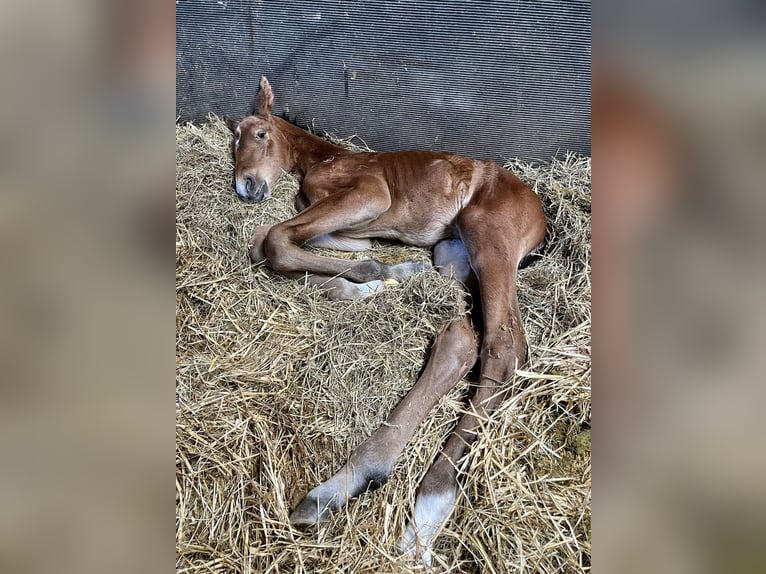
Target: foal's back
{"points": [[427, 190]]}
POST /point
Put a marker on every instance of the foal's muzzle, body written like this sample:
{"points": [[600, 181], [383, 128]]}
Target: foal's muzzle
{"points": [[251, 190]]}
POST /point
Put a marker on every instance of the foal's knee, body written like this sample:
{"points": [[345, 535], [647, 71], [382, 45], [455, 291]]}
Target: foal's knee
{"points": [[276, 249]]}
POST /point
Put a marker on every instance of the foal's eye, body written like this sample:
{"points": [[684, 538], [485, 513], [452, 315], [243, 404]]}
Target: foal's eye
{"points": [[260, 135]]}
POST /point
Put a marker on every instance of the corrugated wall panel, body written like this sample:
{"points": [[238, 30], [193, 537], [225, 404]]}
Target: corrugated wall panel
{"points": [[486, 79]]}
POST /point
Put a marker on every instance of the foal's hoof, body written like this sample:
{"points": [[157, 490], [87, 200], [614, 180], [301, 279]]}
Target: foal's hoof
{"points": [[431, 512], [308, 513], [256, 252], [404, 270], [417, 546]]}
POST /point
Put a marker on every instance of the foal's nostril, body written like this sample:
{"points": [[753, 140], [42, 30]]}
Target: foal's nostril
{"points": [[249, 184]]}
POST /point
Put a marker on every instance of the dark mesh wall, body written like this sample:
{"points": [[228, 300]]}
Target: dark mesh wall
{"points": [[490, 80]]}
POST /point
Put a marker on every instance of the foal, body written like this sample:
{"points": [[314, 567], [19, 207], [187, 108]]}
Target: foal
{"points": [[481, 221]]}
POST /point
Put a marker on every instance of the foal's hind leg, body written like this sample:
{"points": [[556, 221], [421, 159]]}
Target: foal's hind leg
{"points": [[503, 349], [452, 355]]}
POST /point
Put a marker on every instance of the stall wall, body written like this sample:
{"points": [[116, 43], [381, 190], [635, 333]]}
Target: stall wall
{"points": [[492, 80]]}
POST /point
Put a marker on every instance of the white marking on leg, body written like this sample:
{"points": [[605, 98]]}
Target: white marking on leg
{"points": [[402, 271], [341, 289], [431, 512], [370, 288], [361, 290]]}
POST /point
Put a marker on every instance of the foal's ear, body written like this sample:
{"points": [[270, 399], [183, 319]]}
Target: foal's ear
{"points": [[232, 124], [265, 99]]}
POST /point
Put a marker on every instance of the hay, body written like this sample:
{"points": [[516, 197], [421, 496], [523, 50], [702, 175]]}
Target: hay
{"points": [[276, 385]]}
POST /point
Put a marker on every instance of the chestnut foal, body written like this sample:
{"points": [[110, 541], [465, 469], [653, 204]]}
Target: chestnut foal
{"points": [[481, 221]]}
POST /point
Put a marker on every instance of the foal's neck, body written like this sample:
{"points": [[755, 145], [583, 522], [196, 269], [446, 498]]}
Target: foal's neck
{"points": [[307, 149]]}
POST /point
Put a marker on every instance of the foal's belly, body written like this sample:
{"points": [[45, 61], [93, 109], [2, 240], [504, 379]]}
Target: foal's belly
{"points": [[423, 234], [424, 237]]}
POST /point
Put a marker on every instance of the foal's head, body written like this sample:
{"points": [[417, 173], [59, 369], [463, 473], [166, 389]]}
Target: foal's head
{"points": [[260, 152]]}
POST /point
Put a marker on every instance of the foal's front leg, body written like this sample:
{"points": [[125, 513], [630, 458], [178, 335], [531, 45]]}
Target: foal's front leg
{"points": [[337, 288], [354, 208]]}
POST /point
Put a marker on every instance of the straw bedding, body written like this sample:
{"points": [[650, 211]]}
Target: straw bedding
{"points": [[276, 385]]}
